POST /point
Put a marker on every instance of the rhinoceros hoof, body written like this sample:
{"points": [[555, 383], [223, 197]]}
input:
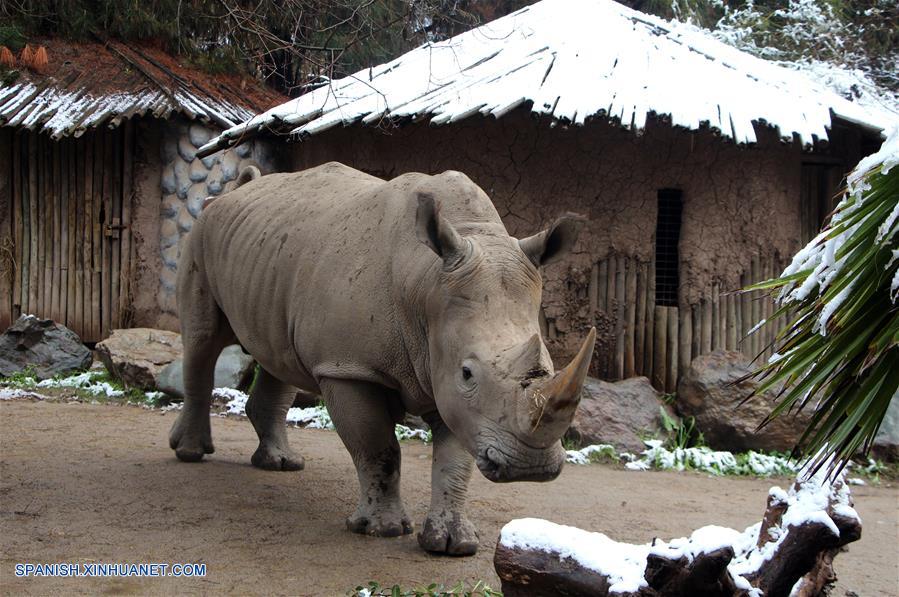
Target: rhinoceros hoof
{"points": [[271, 458], [450, 533], [380, 525], [190, 446]]}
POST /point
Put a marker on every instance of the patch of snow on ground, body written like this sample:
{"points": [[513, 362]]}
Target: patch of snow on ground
{"points": [[657, 456], [84, 381], [583, 456], [18, 393]]}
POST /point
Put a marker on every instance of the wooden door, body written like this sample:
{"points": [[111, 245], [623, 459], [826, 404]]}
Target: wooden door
{"points": [[66, 242]]}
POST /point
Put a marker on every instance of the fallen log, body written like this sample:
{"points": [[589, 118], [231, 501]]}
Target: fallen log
{"points": [[790, 552]]}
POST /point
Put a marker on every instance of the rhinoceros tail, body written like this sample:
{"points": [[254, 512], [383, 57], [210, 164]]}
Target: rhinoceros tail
{"points": [[249, 173]]}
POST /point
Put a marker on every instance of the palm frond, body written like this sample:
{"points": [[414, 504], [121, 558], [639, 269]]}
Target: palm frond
{"points": [[840, 353]]}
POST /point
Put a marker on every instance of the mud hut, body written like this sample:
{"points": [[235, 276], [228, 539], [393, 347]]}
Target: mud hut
{"points": [[99, 180], [701, 168]]}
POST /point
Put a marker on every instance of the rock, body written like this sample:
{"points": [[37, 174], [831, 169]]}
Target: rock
{"points": [[168, 277], [214, 187], [167, 179], [415, 422], [137, 356], [886, 443], [195, 198], [170, 206], [708, 391], [620, 413], [233, 369], [244, 149], [170, 256], [230, 166], [199, 135], [47, 347], [198, 172], [182, 178], [186, 149], [210, 160], [185, 219], [170, 148]]}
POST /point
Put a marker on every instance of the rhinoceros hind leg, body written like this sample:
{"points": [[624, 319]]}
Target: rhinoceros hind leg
{"points": [[205, 331], [267, 410], [361, 415], [446, 529]]}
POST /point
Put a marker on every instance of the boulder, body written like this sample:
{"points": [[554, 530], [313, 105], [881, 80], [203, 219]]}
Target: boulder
{"points": [[233, 369], [47, 347], [710, 391], [620, 413], [886, 443], [137, 356]]}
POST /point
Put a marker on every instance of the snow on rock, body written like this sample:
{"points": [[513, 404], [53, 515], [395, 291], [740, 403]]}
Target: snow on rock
{"points": [[809, 499], [623, 563], [609, 61]]}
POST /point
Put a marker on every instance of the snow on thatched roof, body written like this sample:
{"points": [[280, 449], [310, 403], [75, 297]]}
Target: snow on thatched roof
{"points": [[87, 85], [572, 60]]}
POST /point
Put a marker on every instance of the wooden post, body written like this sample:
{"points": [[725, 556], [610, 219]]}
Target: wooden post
{"points": [[18, 230], [640, 324], [630, 299], [649, 342], [660, 356], [672, 349], [6, 228], [685, 335], [98, 239], [603, 286], [755, 343], [716, 315], [745, 315], [127, 179], [620, 314], [115, 244], [71, 197], [34, 225], [592, 288], [706, 326], [731, 321], [696, 340]]}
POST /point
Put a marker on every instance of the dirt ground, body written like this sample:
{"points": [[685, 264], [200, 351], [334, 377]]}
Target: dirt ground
{"points": [[98, 483]]}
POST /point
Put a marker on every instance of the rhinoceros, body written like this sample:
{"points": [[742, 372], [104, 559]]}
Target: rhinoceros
{"points": [[386, 298]]}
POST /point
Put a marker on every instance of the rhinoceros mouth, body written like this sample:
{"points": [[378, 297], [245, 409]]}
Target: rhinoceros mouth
{"points": [[496, 466]]}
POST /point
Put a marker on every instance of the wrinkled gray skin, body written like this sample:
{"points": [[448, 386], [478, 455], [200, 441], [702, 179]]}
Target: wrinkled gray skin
{"points": [[385, 298]]}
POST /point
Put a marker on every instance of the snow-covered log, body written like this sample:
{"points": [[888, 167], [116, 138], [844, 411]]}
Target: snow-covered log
{"points": [[790, 552]]}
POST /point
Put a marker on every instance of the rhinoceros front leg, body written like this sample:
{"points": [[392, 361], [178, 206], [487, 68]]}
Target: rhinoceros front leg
{"points": [[267, 409], [362, 418], [446, 529]]}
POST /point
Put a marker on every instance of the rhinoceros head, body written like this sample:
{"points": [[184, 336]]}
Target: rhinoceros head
{"points": [[491, 374]]}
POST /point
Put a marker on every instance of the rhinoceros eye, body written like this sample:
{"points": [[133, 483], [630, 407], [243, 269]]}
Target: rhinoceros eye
{"points": [[466, 373]]}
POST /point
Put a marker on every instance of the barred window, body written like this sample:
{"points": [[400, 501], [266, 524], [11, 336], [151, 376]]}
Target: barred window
{"points": [[668, 223]]}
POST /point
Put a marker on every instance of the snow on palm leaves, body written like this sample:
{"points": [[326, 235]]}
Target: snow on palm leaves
{"points": [[840, 354]]}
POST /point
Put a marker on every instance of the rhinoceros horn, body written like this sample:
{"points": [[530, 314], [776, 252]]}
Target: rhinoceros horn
{"points": [[554, 401]]}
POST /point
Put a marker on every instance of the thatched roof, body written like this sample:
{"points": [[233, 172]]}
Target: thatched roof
{"points": [[573, 60], [86, 85]]}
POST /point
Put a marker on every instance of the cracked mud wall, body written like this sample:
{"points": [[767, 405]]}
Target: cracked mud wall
{"points": [[737, 201]]}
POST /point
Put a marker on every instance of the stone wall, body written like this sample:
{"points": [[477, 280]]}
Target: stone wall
{"points": [[739, 202], [186, 181]]}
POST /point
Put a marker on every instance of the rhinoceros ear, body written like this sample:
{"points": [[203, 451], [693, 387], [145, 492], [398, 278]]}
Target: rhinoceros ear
{"points": [[555, 242], [433, 230]]}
